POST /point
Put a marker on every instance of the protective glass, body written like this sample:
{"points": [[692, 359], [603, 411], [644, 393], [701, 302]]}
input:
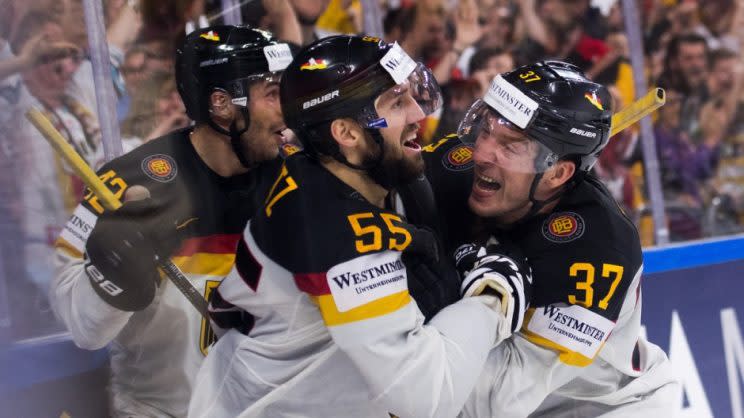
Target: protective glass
{"points": [[419, 93], [239, 89], [502, 143], [425, 89]]}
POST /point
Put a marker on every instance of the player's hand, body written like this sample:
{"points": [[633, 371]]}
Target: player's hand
{"points": [[499, 270], [123, 251], [39, 50]]}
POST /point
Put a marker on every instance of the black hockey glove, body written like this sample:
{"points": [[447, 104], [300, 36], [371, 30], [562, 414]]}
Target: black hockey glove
{"points": [[432, 280], [498, 269], [423, 244], [123, 251]]}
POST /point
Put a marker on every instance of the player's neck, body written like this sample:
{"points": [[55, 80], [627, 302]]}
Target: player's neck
{"points": [[358, 180], [216, 151]]}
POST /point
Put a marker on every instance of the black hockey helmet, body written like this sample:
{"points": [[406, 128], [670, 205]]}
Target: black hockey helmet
{"points": [[553, 103], [228, 58], [342, 76]]}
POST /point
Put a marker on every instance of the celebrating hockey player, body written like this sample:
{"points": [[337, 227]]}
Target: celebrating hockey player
{"points": [[200, 179], [325, 279], [527, 148]]}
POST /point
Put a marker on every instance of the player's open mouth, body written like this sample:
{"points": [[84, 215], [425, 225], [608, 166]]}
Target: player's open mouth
{"points": [[410, 141], [487, 183], [412, 144]]}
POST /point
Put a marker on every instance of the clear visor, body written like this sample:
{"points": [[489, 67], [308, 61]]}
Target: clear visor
{"points": [[499, 142], [425, 89], [418, 96], [240, 89]]}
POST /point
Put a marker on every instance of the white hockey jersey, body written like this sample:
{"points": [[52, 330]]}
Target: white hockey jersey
{"points": [[156, 352], [579, 352], [321, 320]]}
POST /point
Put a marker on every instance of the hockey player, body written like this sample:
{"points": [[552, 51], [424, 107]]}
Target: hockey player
{"points": [[523, 156], [326, 271], [200, 179]]}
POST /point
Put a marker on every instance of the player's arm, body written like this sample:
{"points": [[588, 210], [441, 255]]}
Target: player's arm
{"points": [[416, 369], [558, 340], [92, 322], [412, 369], [348, 259], [109, 257]]}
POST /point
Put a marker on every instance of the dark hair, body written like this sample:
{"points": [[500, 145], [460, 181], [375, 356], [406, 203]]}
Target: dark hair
{"points": [[392, 20], [720, 54], [28, 27], [480, 58], [686, 38], [406, 20]]}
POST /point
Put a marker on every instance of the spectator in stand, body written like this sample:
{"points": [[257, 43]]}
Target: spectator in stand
{"points": [[157, 110], [166, 20], [499, 26], [685, 168], [486, 63], [686, 65], [717, 19], [591, 19], [308, 12], [30, 314], [722, 76], [612, 167], [615, 69], [280, 18], [460, 93], [723, 116], [136, 68], [63, 90], [423, 33], [430, 33], [569, 30], [685, 71], [551, 31], [37, 50]]}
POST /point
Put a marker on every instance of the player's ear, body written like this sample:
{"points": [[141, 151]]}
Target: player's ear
{"points": [[220, 107], [346, 132], [218, 101], [560, 173]]}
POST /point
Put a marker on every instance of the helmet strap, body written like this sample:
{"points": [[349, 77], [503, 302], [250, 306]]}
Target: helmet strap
{"points": [[377, 138], [537, 205], [375, 169], [235, 135]]}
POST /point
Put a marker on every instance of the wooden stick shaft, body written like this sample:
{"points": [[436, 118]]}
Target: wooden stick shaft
{"points": [[65, 150], [653, 100]]}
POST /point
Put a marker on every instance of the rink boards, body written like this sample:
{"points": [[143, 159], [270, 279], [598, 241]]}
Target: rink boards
{"points": [[692, 307]]}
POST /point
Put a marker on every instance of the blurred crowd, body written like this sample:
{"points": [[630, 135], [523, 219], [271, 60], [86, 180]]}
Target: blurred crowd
{"points": [[691, 48]]}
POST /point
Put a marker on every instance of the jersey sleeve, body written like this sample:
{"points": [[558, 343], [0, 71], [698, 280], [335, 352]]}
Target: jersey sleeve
{"points": [[578, 308], [347, 258], [584, 262], [518, 376], [547, 355], [449, 169], [92, 322]]}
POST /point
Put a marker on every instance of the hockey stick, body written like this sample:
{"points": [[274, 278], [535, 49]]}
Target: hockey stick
{"points": [[81, 168], [653, 100]]}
